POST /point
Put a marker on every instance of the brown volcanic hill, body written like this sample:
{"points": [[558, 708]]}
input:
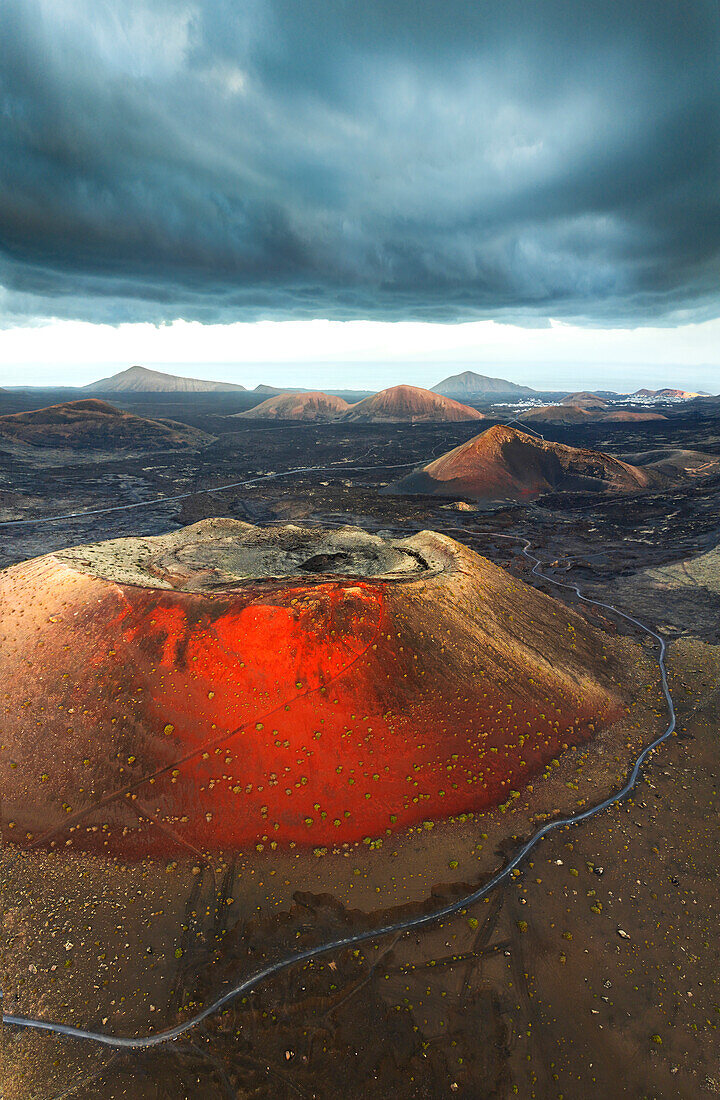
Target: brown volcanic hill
{"points": [[227, 682], [313, 405], [142, 380], [504, 463], [684, 395], [585, 400], [409, 403], [95, 425], [576, 414]]}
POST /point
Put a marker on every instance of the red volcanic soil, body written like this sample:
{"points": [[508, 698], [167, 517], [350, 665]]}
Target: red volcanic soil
{"points": [[95, 425], [298, 406], [410, 403], [224, 686], [505, 463]]}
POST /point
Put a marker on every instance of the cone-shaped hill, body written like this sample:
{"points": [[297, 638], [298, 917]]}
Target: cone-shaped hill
{"points": [[401, 403], [503, 463], [586, 400], [469, 385], [95, 425], [225, 684], [298, 406]]}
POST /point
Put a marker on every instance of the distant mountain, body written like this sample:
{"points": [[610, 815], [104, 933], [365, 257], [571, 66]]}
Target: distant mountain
{"points": [[401, 403], [470, 385], [503, 463], [142, 380], [277, 389], [297, 406], [668, 394], [677, 395]]}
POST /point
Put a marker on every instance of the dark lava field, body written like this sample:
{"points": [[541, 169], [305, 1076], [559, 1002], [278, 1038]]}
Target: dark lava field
{"points": [[592, 970]]}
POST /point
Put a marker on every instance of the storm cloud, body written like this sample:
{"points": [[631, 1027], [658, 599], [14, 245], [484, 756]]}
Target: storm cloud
{"points": [[387, 159]]}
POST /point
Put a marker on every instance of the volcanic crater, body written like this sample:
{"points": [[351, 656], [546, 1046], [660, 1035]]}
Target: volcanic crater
{"points": [[225, 686]]}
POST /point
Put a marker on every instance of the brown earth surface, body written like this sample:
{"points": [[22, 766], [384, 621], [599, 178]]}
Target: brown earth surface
{"points": [[166, 937], [594, 973]]}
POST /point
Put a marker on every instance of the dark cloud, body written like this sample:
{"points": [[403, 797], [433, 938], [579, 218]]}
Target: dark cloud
{"points": [[435, 159]]}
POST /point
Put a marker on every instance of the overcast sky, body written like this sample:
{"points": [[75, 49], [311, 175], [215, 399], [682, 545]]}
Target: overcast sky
{"points": [[549, 167]]}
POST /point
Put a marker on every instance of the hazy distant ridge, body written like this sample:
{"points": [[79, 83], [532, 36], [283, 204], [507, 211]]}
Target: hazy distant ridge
{"points": [[469, 385], [143, 380]]}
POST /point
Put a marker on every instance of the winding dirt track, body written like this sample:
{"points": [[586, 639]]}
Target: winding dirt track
{"points": [[202, 492], [221, 488], [408, 924]]}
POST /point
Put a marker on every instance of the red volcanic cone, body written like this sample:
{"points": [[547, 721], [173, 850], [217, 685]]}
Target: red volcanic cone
{"points": [[503, 463], [224, 685]]}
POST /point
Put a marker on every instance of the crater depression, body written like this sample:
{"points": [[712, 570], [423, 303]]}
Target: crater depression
{"points": [[226, 685]]}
